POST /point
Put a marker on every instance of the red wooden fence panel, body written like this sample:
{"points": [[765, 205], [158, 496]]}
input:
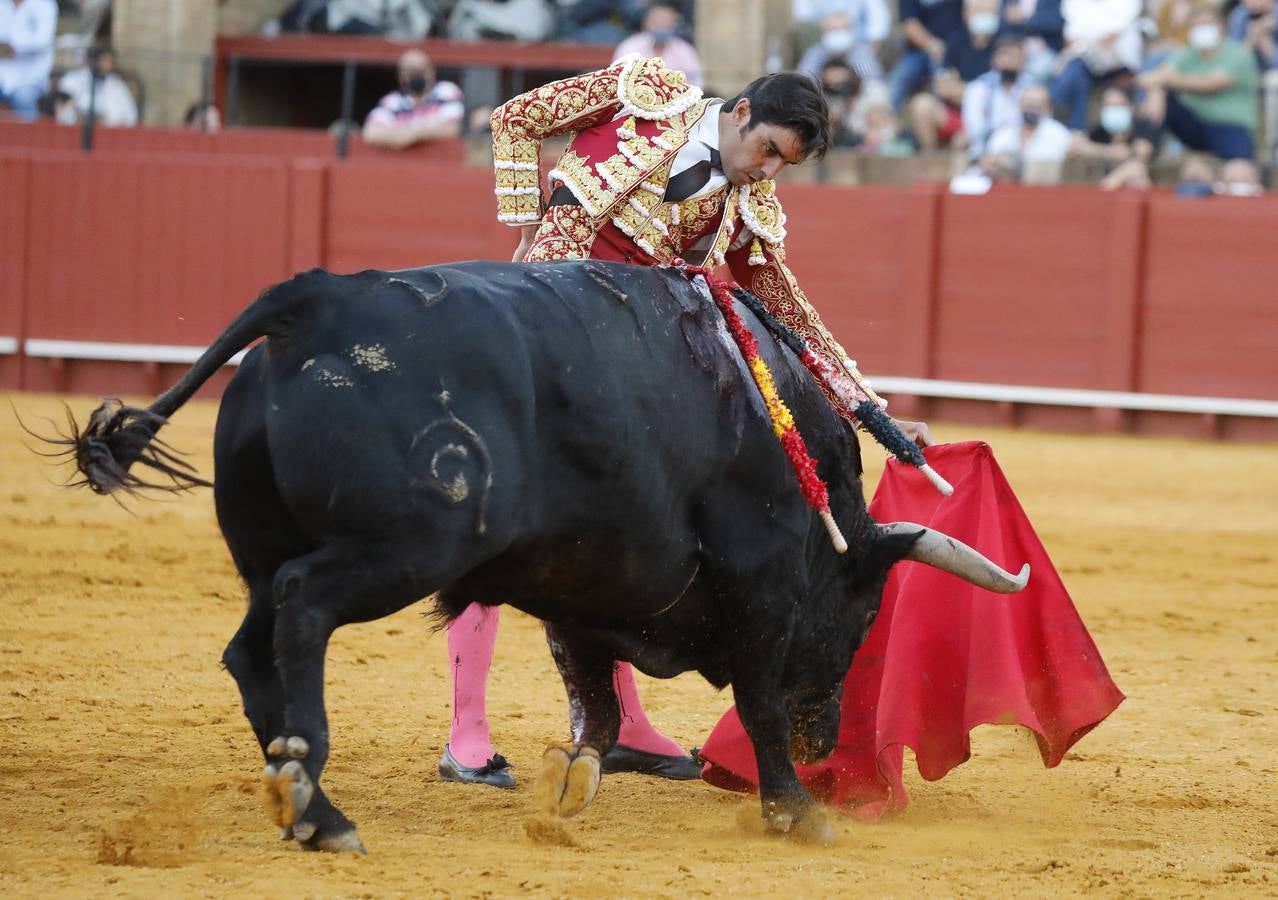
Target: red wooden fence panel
{"points": [[401, 215], [1022, 285], [845, 249], [135, 250], [1211, 298], [15, 171]]}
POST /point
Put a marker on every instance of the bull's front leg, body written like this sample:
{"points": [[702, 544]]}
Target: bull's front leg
{"points": [[787, 806], [570, 773]]}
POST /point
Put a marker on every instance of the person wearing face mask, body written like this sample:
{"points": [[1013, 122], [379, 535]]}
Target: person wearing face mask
{"points": [[1239, 178], [935, 117], [659, 38], [1119, 134], [1206, 93], [423, 109], [1103, 40], [1035, 147], [993, 100], [851, 31]]}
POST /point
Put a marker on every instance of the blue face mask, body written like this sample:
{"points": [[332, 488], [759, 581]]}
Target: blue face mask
{"points": [[1194, 189], [661, 37]]}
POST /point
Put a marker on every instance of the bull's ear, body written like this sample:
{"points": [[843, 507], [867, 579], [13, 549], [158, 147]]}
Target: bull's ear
{"points": [[890, 548]]}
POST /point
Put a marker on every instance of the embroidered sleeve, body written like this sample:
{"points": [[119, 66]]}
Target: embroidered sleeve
{"points": [[772, 282], [644, 88]]}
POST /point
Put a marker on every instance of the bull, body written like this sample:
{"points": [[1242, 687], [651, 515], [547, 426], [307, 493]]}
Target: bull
{"points": [[580, 440]]}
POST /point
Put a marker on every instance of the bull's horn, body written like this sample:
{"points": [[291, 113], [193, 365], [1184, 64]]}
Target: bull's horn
{"points": [[952, 555]]}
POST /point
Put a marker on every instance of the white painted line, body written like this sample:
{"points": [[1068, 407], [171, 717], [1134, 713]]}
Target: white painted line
{"points": [[157, 353], [1006, 393], [8, 345]]}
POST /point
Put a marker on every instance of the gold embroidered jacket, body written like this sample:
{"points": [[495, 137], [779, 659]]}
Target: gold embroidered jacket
{"points": [[628, 122]]}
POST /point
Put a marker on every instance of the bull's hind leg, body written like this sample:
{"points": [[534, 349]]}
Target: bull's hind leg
{"points": [[315, 595], [570, 773]]}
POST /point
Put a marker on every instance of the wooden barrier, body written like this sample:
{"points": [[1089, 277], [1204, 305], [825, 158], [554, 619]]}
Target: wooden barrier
{"points": [[1062, 308], [283, 143]]}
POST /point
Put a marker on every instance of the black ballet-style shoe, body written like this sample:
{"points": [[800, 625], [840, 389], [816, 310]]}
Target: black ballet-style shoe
{"points": [[494, 773], [675, 767]]}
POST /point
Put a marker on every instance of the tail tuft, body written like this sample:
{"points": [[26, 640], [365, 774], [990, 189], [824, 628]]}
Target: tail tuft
{"points": [[116, 438]]}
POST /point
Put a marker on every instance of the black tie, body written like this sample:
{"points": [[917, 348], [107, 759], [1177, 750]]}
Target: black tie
{"points": [[693, 178]]}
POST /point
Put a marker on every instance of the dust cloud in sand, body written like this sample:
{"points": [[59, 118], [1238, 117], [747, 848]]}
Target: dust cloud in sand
{"points": [[127, 768]]}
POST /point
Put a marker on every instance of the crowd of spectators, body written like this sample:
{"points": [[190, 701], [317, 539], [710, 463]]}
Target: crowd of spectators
{"points": [[1009, 89], [1015, 89]]}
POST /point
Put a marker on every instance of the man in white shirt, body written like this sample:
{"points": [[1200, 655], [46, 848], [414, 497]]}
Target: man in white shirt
{"points": [[1035, 147], [993, 100], [26, 52], [423, 109], [113, 104]]}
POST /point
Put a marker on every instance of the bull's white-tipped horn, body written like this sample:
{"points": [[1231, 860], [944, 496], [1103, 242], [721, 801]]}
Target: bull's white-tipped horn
{"points": [[952, 555]]}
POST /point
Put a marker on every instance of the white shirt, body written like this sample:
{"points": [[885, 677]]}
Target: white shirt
{"points": [[28, 29], [1087, 21], [701, 140], [987, 107], [113, 104], [1049, 142]]}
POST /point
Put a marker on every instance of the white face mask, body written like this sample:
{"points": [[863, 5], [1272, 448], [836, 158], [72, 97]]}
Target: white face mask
{"points": [[983, 24], [838, 41], [1205, 36], [1116, 119]]}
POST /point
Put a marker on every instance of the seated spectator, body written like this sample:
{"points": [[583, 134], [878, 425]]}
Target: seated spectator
{"points": [[1197, 177], [1034, 148], [203, 116], [993, 100], [660, 38], [853, 31], [1240, 178], [1119, 134], [1042, 26], [27, 28], [421, 110], [597, 21], [936, 117], [1103, 40], [1254, 24], [969, 53], [113, 103], [927, 25], [1206, 94], [851, 100]]}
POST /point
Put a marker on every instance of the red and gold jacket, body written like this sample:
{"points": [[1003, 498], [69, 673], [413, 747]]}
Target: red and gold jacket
{"points": [[628, 122]]}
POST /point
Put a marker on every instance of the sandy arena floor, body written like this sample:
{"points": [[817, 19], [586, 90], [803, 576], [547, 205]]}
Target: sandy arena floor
{"points": [[126, 767]]}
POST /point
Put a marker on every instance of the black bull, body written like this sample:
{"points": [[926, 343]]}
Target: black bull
{"points": [[579, 440]]}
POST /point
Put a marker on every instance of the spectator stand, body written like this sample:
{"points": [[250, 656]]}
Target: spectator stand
{"points": [[303, 68]]}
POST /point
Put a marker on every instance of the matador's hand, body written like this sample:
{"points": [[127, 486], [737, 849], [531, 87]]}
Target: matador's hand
{"points": [[916, 431], [526, 235]]}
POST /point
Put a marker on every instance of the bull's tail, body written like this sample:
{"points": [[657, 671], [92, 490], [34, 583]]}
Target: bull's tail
{"points": [[119, 437]]}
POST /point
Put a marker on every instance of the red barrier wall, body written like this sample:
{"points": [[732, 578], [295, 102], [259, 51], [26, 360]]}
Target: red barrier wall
{"points": [[1064, 287]]}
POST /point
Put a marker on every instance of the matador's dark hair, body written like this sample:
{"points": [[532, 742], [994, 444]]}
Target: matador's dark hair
{"points": [[792, 101]]}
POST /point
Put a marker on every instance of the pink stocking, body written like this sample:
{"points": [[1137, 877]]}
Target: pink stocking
{"points": [[470, 653], [636, 731]]}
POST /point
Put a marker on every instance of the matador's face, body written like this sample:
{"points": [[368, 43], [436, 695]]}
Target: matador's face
{"points": [[757, 153]]}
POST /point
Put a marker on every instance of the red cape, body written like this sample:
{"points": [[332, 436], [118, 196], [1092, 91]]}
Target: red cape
{"points": [[944, 656]]}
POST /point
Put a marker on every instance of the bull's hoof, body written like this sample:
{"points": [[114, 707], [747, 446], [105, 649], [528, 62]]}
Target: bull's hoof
{"points": [[808, 825], [568, 780], [298, 807]]}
